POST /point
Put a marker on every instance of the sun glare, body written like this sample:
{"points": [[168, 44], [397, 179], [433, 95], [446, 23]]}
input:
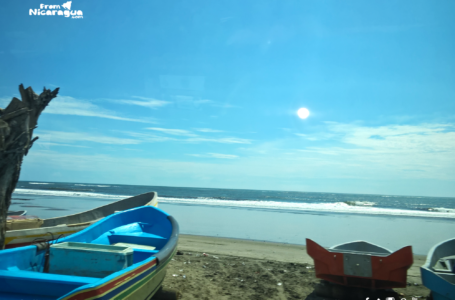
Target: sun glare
{"points": [[303, 113]]}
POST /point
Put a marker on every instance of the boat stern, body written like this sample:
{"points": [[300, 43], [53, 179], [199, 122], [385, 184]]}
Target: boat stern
{"points": [[361, 268]]}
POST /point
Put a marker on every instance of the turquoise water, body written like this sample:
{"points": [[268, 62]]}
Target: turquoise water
{"points": [[327, 229]]}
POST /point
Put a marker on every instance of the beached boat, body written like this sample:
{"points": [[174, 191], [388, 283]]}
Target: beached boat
{"points": [[361, 264], [438, 272], [25, 230], [16, 213], [123, 256]]}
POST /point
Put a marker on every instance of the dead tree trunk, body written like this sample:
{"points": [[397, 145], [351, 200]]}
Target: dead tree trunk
{"points": [[17, 122]]}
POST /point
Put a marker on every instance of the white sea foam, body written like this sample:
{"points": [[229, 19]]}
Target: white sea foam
{"points": [[443, 209], [360, 203], [364, 203], [40, 183], [338, 207], [97, 185], [68, 194]]}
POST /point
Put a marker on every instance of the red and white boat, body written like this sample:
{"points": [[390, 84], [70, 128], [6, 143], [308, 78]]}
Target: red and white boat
{"points": [[361, 264]]}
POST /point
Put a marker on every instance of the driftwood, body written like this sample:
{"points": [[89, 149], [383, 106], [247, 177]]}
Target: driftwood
{"points": [[17, 122]]}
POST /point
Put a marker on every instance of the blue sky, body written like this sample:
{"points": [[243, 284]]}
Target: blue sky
{"points": [[205, 93]]}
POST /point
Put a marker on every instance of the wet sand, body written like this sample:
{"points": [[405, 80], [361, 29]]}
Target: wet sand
{"points": [[245, 269]]}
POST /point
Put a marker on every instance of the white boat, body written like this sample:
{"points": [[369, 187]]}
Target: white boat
{"points": [[16, 213], [23, 230]]}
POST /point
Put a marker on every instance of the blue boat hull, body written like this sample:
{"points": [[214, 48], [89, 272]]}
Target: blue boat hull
{"points": [[137, 230]]}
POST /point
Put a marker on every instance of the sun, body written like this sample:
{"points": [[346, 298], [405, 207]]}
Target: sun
{"points": [[303, 113]]}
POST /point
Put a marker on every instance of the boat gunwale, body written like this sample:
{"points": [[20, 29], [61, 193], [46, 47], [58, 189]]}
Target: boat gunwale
{"points": [[170, 247], [87, 223], [99, 208], [427, 269]]}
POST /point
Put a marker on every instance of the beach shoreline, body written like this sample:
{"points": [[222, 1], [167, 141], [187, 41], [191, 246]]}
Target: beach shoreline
{"points": [[248, 269]]}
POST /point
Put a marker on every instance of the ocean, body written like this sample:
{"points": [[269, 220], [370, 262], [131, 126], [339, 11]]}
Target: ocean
{"points": [[276, 216]]}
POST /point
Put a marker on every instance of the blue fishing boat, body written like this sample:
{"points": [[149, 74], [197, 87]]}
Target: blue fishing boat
{"points": [[438, 272], [123, 256]]}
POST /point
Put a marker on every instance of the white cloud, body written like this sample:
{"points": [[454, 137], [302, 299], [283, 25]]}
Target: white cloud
{"points": [[48, 144], [184, 101], [226, 140], [65, 105], [416, 157], [307, 171], [180, 132], [190, 102], [147, 137], [423, 138], [202, 101], [145, 102], [216, 155], [73, 137], [188, 137], [207, 130], [393, 151], [226, 105], [310, 138], [225, 156]]}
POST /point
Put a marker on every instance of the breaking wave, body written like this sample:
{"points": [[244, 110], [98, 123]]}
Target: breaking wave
{"points": [[68, 194], [351, 207], [360, 203], [443, 209], [337, 207], [97, 185]]}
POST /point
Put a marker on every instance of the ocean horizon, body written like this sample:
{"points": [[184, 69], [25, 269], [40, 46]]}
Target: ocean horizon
{"points": [[275, 216], [369, 204]]}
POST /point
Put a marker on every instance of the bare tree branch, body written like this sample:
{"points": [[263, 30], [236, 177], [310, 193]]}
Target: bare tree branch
{"points": [[17, 122]]}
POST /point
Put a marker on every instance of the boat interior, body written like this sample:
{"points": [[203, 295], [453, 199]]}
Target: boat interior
{"points": [[83, 218], [442, 261], [128, 238], [360, 247]]}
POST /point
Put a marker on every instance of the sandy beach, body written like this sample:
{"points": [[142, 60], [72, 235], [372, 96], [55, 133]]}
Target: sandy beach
{"points": [[246, 269]]}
